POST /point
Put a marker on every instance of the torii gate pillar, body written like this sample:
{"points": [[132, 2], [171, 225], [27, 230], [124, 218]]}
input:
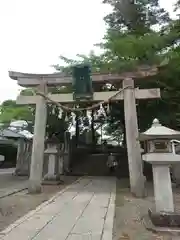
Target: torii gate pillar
{"points": [[133, 146], [37, 158]]}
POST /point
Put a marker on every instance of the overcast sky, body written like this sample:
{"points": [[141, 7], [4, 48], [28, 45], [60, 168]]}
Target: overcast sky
{"points": [[35, 32]]}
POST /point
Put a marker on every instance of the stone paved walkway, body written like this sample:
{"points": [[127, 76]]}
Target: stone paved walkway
{"points": [[83, 211]]}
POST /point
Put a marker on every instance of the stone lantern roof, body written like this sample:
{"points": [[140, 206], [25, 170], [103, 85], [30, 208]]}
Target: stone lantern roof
{"points": [[157, 131]]}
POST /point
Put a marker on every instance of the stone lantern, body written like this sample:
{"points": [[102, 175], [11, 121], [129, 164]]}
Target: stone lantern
{"points": [[52, 153], [158, 152]]}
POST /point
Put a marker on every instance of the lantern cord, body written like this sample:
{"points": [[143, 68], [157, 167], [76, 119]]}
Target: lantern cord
{"points": [[94, 106]]}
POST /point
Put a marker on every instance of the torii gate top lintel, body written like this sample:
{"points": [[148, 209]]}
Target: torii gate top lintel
{"points": [[28, 79]]}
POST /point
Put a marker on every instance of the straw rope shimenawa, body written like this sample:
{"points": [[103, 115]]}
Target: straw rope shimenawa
{"points": [[65, 108]]}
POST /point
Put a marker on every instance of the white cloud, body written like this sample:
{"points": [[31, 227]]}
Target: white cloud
{"points": [[34, 32]]}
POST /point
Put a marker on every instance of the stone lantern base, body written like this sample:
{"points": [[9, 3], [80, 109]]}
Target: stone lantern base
{"points": [[52, 179], [52, 182], [163, 222], [165, 219]]}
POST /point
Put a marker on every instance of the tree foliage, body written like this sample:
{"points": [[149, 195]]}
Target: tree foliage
{"points": [[140, 32], [136, 16], [10, 111]]}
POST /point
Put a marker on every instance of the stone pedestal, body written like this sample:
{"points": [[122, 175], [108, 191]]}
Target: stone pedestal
{"points": [[52, 176], [162, 188], [161, 163]]}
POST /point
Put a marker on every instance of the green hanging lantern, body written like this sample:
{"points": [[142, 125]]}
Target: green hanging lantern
{"points": [[82, 83]]}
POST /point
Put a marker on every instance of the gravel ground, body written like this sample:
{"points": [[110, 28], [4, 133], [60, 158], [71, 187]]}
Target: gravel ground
{"points": [[19, 204], [128, 224]]}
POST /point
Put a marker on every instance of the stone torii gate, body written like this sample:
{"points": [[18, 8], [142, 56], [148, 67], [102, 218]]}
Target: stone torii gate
{"points": [[129, 94]]}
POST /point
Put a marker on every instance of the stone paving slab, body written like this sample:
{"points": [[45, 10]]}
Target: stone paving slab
{"points": [[83, 211]]}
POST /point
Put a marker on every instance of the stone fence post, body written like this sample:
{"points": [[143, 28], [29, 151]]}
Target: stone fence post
{"points": [[67, 150], [23, 161]]}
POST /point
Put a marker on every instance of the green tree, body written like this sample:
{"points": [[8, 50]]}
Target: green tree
{"points": [[10, 111], [133, 43], [133, 39]]}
